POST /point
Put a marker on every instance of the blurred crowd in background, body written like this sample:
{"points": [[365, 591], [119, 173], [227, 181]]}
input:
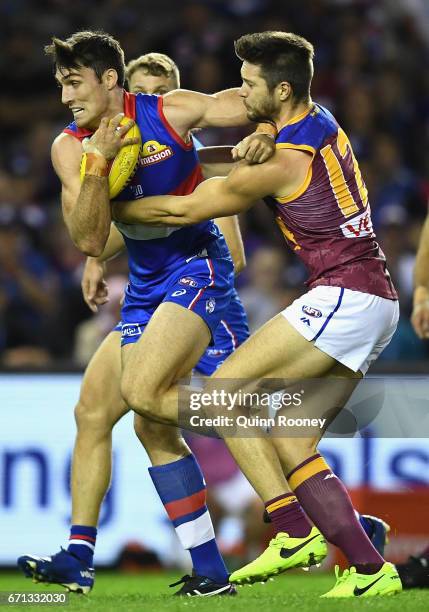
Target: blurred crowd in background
{"points": [[370, 72]]}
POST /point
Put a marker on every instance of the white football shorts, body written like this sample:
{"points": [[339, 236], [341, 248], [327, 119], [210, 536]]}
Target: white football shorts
{"points": [[350, 326]]}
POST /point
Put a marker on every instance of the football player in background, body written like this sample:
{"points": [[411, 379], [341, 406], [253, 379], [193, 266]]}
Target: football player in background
{"points": [[336, 330]]}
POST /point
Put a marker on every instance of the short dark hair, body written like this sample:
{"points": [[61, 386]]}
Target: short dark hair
{"points": [[282, 56], [155, 64], [92, 49]]}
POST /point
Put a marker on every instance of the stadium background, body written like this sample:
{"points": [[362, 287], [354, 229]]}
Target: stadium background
{"points": [[370, 59]]}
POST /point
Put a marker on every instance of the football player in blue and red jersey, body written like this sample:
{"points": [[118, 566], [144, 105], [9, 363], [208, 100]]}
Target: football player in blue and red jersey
{"points": [[183, 278]]}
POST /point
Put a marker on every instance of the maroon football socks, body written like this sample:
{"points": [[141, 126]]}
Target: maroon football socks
{"points": [[287, 515], [326, 501]]}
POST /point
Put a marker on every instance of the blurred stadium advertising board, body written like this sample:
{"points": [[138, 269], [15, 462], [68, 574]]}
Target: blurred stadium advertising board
{"points": [[36, 438], [37, 431]]}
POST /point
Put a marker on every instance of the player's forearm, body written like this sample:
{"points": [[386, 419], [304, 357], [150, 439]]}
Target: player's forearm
{"points": [[160, 210], [153, 210], [210, 199], [89, 222], [115, 244], [421, 270]]}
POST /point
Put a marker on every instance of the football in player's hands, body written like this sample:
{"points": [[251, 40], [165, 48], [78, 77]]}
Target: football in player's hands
{"points": [[124, 165]]}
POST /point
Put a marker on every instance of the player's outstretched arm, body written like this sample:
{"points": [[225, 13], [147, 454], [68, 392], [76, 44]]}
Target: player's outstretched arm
{"points": [[212, 198], [283, 174], [420, 315], [185, 110]]}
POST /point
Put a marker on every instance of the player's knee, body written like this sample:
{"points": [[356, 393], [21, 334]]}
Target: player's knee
{"points": [[142, 401], [92, 416]]}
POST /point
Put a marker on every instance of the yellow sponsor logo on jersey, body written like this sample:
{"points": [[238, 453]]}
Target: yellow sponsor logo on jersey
{"points": [[153, 152]]}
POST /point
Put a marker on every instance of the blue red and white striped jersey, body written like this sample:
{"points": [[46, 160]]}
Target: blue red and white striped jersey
{"points": [[167, 165]]}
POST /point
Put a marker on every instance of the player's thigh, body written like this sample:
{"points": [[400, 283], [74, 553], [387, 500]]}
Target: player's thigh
{"points": [[100, 393], [276, 350], [171, 345], [274, 359]]}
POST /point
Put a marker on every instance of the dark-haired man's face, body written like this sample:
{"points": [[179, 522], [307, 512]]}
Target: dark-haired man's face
{"points": [[259, 101], [84, 95], [142, 82]]}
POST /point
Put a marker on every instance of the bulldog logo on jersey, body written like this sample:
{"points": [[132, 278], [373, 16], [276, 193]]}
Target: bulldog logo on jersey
{"points": [[210, 305], [153, 152]]}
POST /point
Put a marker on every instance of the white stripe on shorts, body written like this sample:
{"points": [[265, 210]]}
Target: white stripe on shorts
{"points": [[230, 333], [201, 291]]}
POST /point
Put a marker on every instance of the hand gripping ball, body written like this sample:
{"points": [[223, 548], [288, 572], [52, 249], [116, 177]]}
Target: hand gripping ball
{"points": [[124, 165]]}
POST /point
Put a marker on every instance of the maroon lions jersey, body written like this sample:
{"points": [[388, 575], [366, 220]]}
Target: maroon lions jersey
{"points": [[327, 221]]}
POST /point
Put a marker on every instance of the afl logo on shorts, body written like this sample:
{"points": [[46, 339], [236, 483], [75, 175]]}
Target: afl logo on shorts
{"points": [[131, 329], [312, 312], [190, 282], [216, 352], [210, 305], [153, 152]]}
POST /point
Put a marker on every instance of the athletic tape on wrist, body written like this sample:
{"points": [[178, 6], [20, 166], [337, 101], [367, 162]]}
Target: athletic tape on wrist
{"points": [[96, 165]]}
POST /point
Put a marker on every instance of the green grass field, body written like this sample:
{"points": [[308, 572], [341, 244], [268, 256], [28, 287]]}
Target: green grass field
{"points": [[294, 592]]}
